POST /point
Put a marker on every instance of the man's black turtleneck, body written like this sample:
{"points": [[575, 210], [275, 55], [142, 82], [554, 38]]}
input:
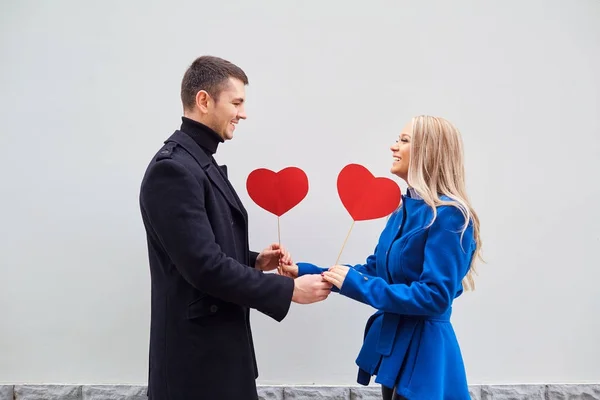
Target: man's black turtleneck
{"points": [[205, 137], [208, 140]]}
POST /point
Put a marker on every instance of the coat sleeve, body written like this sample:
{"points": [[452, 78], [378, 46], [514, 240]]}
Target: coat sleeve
{"points": [[253, 257], [446, 261], [368, 268], [305, 268], [174, 203]]}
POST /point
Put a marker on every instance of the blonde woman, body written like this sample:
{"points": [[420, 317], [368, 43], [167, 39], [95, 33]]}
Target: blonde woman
{"points": [[424, 259]]}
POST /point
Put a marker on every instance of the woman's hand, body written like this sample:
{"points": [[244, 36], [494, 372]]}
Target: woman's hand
{"points": [[336, 275], [289, 270]]}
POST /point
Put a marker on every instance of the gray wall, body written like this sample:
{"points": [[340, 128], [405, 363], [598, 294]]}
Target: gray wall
{"points": [[90, 91]]}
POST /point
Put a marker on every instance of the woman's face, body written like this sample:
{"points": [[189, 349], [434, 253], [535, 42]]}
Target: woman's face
{"points": [[401, 152]]}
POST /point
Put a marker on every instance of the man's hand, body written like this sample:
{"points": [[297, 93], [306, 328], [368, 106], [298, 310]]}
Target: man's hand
{"points": [[310, 289], [272, 256]]}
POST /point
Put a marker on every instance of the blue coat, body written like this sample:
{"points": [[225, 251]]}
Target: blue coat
{"points": [[412, 279]]}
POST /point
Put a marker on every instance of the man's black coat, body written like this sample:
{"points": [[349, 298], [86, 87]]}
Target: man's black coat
{"points": [[203, 279]]}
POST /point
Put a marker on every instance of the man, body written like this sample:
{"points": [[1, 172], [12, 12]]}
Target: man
{"points": [[204, 277]]}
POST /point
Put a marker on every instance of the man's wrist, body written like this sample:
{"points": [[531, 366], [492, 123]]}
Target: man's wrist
{"points": [[257, 263]]}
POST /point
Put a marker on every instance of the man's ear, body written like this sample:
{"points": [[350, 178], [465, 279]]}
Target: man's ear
{"points": [[203, 100]]}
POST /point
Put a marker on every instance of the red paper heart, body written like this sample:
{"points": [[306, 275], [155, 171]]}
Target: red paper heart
{"points": [[277, 192], [365, 196]]}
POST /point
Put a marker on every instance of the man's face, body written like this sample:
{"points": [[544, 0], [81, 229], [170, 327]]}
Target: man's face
{"points": [[226, 112]]}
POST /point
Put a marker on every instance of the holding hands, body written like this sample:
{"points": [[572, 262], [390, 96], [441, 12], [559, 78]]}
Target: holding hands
{"points": [[309, 288], [335, 275]]}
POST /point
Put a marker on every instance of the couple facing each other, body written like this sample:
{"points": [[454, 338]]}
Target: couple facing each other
{"points": [[205, 279]]}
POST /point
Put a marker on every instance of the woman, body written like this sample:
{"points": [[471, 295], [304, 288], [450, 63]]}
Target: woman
{"points": [[424, 257]]}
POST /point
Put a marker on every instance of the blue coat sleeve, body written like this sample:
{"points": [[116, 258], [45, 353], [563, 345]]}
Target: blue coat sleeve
{"points": [[305, 268], [368, 268], [446, 262]]}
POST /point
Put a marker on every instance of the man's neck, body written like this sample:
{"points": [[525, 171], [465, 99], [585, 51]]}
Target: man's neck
{"points": [[206, 138]]}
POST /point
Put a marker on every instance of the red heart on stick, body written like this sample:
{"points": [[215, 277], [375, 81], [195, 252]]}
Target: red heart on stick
{"points": [[365, 196], [277, 192]]}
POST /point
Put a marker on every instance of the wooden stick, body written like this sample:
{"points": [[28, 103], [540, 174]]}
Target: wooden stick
{"points": [[279, 269], [278, 232], [344, 245]]}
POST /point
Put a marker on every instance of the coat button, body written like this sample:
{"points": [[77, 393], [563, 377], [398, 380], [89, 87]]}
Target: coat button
{"points": [[366, 279], [213, 309]]}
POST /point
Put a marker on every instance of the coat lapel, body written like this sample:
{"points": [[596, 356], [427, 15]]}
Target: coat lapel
{"points": [[219, 181], [216, 177]]}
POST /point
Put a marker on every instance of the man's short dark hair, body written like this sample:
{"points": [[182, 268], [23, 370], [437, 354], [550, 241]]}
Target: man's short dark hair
{"points": [[210, 74]]}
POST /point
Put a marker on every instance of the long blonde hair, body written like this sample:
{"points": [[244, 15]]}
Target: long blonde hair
{"points": [[437, 168]]}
